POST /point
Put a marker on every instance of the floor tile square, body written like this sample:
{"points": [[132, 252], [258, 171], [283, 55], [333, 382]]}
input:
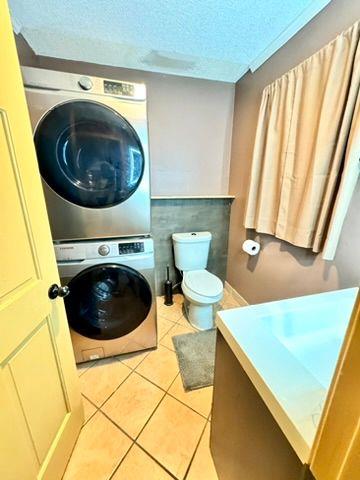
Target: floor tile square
{"points": [[163, 326], [99, 449], [160, 367], [178, 329], [159, 301], [137, 465], [203, 465], [199, 400], [184, 321], [172, 434], [89, 408], [132, 360], [178, 298], [82, 367], [132, 404], [100, 380], [172, 313]]}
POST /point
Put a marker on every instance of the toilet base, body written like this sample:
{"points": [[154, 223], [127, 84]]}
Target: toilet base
{"points": [[201, 317]]}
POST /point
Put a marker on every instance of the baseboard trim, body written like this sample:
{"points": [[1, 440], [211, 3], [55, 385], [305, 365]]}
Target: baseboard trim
{"points": [[241, 300]]}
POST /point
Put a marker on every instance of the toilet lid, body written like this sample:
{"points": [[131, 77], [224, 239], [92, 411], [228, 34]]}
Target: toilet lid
{"points": [[203, 283]]}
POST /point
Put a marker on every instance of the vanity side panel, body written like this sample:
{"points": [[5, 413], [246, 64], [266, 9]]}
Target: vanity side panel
{"points": [[246, 442]]}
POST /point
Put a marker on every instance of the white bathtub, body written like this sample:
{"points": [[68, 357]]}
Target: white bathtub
{"points": [[289, 350]]}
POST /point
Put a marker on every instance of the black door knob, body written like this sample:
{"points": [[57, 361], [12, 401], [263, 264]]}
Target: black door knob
{"points": [[56, 291]]}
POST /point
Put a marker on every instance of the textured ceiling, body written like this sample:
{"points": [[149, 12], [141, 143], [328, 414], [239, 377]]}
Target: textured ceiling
{"points": [[214, 39]]}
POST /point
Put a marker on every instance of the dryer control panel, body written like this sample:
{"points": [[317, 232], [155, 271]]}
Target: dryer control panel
{"points": [[119, 88]]}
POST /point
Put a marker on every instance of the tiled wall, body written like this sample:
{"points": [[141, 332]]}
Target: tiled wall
{"points": [[188, 215]]}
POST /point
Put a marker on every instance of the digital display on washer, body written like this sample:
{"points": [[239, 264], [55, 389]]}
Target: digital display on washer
{"points": [[133, 247], [119, 88]]}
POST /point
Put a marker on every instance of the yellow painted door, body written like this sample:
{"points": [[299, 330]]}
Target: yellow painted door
{"points": [[336, 451], [40, 403]]}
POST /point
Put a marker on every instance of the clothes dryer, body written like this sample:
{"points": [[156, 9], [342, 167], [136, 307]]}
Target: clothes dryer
{"points": [[91, 140]]}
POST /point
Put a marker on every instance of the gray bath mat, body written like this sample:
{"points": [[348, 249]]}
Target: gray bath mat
{"points": [[196, 357]]}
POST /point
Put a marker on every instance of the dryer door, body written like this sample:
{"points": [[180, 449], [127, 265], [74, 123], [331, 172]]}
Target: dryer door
{"points": [[107, 301], [89, 154]]}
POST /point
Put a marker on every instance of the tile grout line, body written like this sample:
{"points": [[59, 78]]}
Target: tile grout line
{"points": [[168, 319], [127, 376], [188, 406], [120, 462], [86, 369], [207, 418], [96, 409], [148, 420], [165, 394], [112, 393], [162, 399], [121, 429], [99, 409], [183, 403], [127, 435], [151, 381], [166, 333], [196, 449], [156, 461], [167, 390], [116, 425], [133, 441], [170, 394]]}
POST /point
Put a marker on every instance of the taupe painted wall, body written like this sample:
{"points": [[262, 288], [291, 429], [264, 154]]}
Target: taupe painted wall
{"points": [[190, 124], [282, 270]]}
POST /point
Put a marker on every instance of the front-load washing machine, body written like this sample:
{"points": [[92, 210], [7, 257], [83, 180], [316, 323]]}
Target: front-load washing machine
{"points": [[91, 141], [111, 305]]}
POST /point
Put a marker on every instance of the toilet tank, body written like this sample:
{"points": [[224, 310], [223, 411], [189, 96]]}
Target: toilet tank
{"points": [[191, 250]]}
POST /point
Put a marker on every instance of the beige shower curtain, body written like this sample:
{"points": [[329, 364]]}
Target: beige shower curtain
{"points": [[307, 148]]}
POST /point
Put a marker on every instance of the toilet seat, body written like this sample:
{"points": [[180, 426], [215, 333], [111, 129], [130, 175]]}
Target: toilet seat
{"points": [[203, 284]]}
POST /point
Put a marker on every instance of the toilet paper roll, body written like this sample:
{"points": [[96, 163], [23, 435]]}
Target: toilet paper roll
{"points": [[251, 247]]}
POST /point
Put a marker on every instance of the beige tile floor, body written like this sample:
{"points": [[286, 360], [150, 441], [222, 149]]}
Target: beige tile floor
{"points": [[140, 424]]}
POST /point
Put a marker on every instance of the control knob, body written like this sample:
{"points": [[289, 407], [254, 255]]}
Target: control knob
{"points": [[85, 83], [104, 250]]}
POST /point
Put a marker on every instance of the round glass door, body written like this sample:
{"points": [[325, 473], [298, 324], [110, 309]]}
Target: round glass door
{"points": [[89, 154], [107, 301]]}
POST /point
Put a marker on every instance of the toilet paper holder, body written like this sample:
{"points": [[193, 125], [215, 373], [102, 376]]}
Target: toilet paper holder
{"points": [[251, 247]]}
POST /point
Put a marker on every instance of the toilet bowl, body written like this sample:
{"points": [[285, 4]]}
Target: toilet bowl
{"points": [[201, 288]]}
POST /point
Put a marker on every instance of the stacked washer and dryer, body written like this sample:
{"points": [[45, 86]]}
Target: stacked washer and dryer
{"points": [[91, 141]]}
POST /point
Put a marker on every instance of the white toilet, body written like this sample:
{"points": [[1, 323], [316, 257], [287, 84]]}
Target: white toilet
{"points": [[201, 288]]}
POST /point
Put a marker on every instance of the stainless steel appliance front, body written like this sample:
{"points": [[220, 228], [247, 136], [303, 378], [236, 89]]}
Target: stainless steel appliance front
{"points": [[92, 144], [111, 307]]}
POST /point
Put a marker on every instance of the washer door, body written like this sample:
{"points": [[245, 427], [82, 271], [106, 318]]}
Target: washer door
{"points": [[89, 154], [107, 301]]}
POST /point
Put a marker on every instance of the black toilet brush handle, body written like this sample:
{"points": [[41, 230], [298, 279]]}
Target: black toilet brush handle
{"points": [[168, 288]]}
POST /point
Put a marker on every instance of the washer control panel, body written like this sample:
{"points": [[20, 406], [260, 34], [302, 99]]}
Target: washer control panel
{"points": [[83, 251], [131, 247]]}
